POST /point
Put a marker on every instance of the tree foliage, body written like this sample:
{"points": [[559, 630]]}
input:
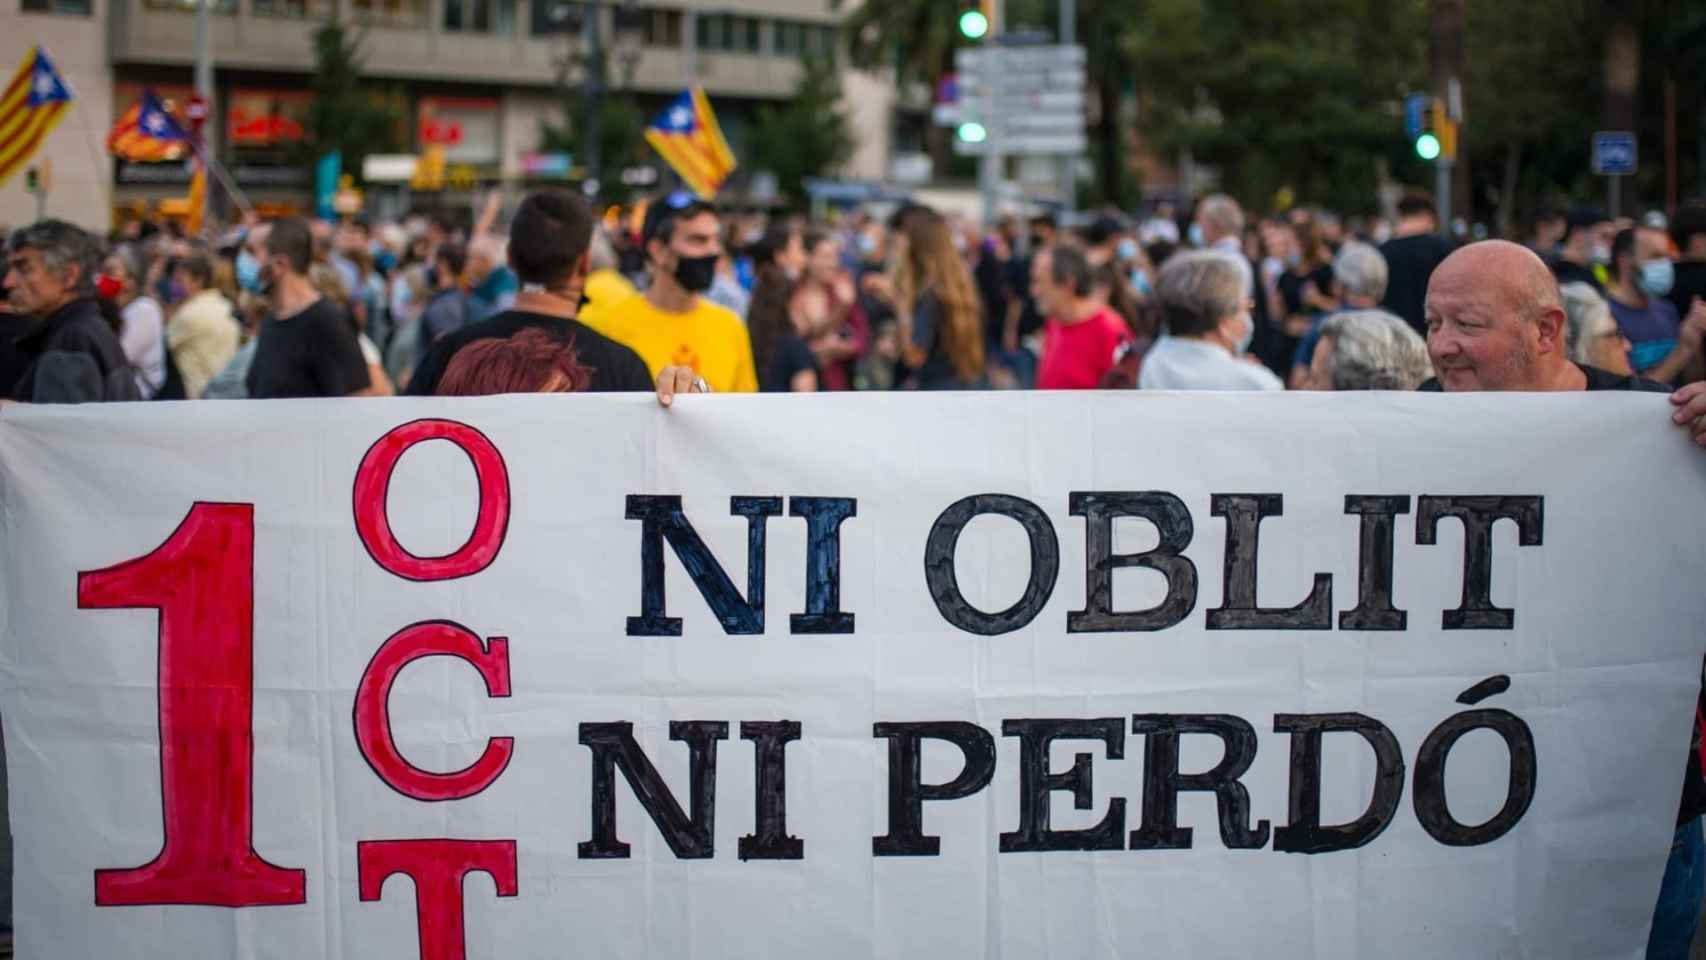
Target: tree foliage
{"points": [[621, 137], [809, 135], [345, 114], [1304, 94]]}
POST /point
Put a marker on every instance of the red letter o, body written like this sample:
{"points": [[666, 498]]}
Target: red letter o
{"points": [[373, 484]]}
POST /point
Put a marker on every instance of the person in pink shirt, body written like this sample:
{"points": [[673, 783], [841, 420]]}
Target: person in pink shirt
{"points": [[1082, 339]]}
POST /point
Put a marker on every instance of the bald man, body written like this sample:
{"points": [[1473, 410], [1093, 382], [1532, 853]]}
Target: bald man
{"points": [[1496, 322]]}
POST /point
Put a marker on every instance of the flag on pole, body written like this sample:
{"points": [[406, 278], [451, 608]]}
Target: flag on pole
{"points": [[688, 138], [198, 197], [34, 102], [147, 132]]}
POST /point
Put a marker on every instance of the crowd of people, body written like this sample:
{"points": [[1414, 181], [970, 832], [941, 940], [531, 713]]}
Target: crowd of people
{"points": [[681, 298], [912, 300]]}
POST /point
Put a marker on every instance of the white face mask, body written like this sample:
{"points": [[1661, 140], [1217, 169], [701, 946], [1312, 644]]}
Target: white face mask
{"points": [[1243, 345]]}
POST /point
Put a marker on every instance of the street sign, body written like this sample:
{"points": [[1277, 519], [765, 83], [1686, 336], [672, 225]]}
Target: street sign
{"points": [[1023, 144], [1018, 59], [1614, 153], [1021, 99]]}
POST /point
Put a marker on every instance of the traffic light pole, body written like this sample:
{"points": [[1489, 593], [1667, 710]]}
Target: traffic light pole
{"points": [[1442, 194], [990, 162], [1068, 163]]}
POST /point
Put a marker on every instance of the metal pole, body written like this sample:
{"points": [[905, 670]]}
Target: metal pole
{"points": [[1069, 162], [41, 204], [204, 89], [690, 47], [594, 89], [990, 164], [1442, 194], [1615, 184]]}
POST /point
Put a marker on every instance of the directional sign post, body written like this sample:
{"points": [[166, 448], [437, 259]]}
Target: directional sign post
{"points": [[1027, 99], [1615, 156]]}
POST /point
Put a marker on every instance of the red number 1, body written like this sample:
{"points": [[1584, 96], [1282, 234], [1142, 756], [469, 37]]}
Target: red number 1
{"points": [[201, 580]]}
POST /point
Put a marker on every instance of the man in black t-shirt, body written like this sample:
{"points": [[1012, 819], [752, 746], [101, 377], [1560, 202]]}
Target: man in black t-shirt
{"points": [[1495, 322], [308, 347], [1413, 253], [550, 240]]}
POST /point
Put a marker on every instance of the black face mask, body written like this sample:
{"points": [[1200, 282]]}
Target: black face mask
{"points": [[696, 273]]}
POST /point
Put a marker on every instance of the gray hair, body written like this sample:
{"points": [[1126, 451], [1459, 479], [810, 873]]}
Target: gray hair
{"points": [[1223, 213], [1361, 270], [1069, 267], [1374, 350], [1199, 289], [61, 246], [1588, 314]]}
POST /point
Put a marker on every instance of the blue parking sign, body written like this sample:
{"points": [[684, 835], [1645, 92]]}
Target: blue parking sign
{"points": [[1614, 153]]}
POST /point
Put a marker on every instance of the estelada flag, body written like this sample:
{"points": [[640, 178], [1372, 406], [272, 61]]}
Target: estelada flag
{"points": [[688, 138], [34, 102], [147, 132]]}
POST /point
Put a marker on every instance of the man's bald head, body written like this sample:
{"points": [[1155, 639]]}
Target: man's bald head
{"points": [[1495, 320], [1509, 270]]}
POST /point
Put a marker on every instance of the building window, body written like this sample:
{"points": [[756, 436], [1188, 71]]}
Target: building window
{"points": [[727, 31], [794, 39], [480, 16], [80, 8], [226, 7], [662, 27], [291, 9], [390, 13]]}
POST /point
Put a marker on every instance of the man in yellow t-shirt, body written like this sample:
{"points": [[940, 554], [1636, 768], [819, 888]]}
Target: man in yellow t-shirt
{"points": [[671, 323]]}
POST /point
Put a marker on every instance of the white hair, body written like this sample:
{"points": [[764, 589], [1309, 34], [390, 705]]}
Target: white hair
{"points": [[1361, 269], [1374, 350], [1588, 314]]}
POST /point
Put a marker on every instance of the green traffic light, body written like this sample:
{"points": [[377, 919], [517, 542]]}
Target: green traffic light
{"points": [[973, 132], [1427, 146], [974, 24]]}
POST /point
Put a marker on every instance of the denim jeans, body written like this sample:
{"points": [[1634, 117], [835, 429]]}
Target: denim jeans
{"points": [[1678, 911]]}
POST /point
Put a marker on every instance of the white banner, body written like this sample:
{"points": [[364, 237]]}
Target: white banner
{"points": [[859, 676]]}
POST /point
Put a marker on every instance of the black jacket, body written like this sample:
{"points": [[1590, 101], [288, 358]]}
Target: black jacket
{"points": [[71, 356]]}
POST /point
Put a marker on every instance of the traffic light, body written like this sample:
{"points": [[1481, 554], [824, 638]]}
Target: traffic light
{"points": [[1432, 132], [974, 20], [32, 180], [972, 132]]}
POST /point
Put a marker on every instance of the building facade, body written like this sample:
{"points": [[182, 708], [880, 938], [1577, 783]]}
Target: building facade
{"points": [[475, 81], [73, 158]]}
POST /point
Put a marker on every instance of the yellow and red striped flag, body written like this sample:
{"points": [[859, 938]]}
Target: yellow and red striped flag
{"points": [[688, 138], [34, 102]]}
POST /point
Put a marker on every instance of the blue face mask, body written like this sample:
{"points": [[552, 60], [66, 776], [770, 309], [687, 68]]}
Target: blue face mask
{"points": [[1657, 277], [1194, 234], [1127, 249], [1140, 282], [248, 272]]}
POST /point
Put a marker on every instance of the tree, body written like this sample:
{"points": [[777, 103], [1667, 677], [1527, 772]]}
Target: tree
{"points": [[1294, 94], [621, 136], [809, 135], [344, 114]]}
